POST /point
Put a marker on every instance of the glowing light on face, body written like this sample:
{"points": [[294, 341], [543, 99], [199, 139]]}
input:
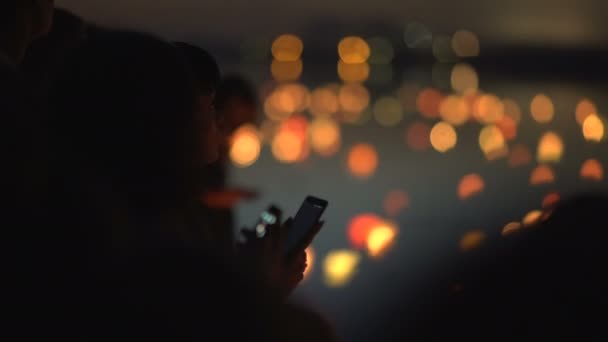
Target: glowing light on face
{"points": [[592, 170], [472, 240], [310, 262], [550, 148], [542, 175], [287, 48], [362, 161], [470, 185], [443, 137], [339, 267], [542, 108], [353, 50], [246, 146]]}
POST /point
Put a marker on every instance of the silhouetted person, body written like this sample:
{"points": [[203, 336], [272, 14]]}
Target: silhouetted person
{"points": [[543, 283], [22, 22]]}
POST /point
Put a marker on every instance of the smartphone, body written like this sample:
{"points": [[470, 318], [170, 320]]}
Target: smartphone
{"points": [[304, 223]]}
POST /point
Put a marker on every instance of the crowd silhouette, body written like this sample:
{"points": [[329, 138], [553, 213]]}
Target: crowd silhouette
{"points": [[115, 157]]}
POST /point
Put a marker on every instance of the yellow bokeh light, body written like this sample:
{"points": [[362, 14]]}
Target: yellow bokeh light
{"points": [[353, 72], [339, 267], [454, 110], [520, 156], [354, 99], [323, 102], [310, 262], [380, 239], [584, 108], [489, 109], [532, 218], [465, 44], [287, 146], [418, 136], [382, 51], [464, 78], [395, 201], [542, 175], [443, 137], [511, 228], [353, 50], [542, 108], [512, 110], [593, 128], [470, 185], [592, 170], [325, 136], [286, 71], [245, 146], [387, 111], [287, 48], [550, 148], [551, 200], [491, 140], [362, 161], [428, 102], [472, 240]]}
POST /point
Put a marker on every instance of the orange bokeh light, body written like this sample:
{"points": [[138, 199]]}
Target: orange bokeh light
{"points": [[325, 136], [584, 108], [245, 146], [512, 110], [429, 102], [542, 108], [454, 110], [488, 109], [362, 161], [551, 200], [323, 102], [542, 175], [353, 50], [532, 218], [395, 201], [592, 170], [287, 48], [470, 185], [443, 137], [520, 156], [353, 72], [508, 127], [418, 135], [511, 228], [593, 128], [353, 98], [286, 71], [492, 142], [464, 79], [472, 240], [359, 228], [310, 262], [288, 146], [550, 148]]}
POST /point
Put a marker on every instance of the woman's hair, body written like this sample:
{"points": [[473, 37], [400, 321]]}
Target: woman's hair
{"points": [[204, 66]]}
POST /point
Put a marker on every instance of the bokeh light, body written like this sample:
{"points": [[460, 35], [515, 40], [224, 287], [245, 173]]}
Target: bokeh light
{"points": [[310, 262], [382, 51], [593, 128], [470, 185], [454, 110], [325, 136], [508, 127], [592, 170], [245, 146], [362, 161], [279, 106], [542, 108], [287, 48], [442, 49], [354, 99], [550, 148], [511, 228], [298, 94], [585, 108], [418, 136], [464, 78], [443, 137], [472, 240], [532, 218], [396, 201], [353, 72], [541, 175], [492, 142], [380, 239], [323, 102], [287, 146], [359, 228], [465, 44], [417, 35], [488, 109], [519, 156], [428, 102], [551, 200], [387, 111], [286, 71], [512, 109], [353, 50], [339, 267]]}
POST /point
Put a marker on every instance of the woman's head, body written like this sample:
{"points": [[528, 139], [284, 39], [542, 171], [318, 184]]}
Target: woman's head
{"points": [[125, 109], [21, 22]]}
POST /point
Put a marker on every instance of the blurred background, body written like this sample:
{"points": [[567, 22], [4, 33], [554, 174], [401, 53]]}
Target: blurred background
{"points": [[430, 126]]}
